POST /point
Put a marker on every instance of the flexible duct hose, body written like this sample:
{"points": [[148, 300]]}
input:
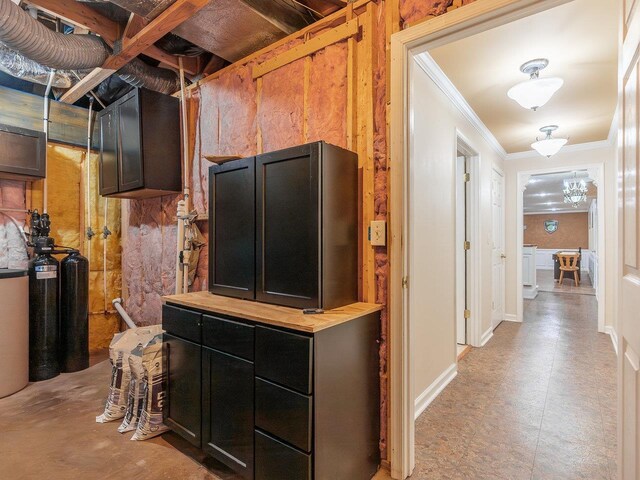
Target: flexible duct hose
{"points": [[73, 52], [139, 74], [55, 50]]}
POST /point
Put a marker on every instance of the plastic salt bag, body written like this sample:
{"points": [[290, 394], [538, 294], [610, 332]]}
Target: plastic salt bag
{"points": [[136, 393], [119, 351], [150, 424]]}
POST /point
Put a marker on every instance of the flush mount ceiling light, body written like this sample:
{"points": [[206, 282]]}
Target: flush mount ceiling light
{"points": [[535, 92], [575, 192], [548, 146]]}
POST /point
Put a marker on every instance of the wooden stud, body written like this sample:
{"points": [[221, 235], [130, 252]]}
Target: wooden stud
{"points": [[79, 14], [351, 84], [305, 102], [258, 106], [173, 16], [323, 40], [365, 140]]}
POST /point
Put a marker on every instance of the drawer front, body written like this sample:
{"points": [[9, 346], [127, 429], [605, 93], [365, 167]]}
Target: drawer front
{"points": [[182, 323], [284, 413], [228, 336], [275, 460], [284, 358]]}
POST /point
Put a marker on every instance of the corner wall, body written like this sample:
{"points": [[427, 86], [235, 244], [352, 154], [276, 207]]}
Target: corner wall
{"points": [[432, 213]]}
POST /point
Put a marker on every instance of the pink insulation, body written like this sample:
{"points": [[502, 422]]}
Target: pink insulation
{"points": [[148, 259], [327, 101], [280, 118], [12, 251], [413, 11]]}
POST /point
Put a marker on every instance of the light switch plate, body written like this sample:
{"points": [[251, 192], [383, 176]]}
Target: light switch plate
{"points": [[378, 233]]}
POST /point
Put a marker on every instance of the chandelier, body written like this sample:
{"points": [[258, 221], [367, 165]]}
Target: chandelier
{"points": [[575, 192]]}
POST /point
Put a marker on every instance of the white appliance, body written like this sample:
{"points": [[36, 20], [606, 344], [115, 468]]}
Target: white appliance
{"points": [[14, 331]]}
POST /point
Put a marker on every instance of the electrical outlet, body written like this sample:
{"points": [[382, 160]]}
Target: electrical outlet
{"points": [[378, 233]]}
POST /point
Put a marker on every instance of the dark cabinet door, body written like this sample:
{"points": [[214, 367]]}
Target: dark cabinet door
{"points": [[182, 411], [130, 165], [228, 419], [232, 228], [23, 153], [109, 151], [287, 227]]}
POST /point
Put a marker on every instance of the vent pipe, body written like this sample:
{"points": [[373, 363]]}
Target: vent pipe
{"points": [[19, 31]]}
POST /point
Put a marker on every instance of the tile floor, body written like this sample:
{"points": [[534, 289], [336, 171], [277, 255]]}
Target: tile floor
{"points": [[546, 283], [537, 402]]}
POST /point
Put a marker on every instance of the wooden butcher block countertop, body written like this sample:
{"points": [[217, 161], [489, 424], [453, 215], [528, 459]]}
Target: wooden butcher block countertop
{"points": [[272, 314]]}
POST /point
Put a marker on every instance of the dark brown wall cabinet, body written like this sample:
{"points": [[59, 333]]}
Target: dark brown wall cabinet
{"points": [[23, 153], [140, 146], [283, 227], [273, 404]]}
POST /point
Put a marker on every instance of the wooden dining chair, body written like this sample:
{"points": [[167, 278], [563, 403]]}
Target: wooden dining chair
{"points": [[569, 263]]}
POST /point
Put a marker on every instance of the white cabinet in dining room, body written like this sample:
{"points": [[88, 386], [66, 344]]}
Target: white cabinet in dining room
{"points": [[529, 279]]}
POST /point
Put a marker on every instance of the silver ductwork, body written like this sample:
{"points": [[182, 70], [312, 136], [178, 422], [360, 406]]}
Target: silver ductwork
{"points": [[17, 65], [52, 50], [55, 50]]}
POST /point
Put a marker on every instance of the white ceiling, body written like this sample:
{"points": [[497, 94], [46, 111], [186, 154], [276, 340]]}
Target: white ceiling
{"points": [[544, 193], [580, 40]]}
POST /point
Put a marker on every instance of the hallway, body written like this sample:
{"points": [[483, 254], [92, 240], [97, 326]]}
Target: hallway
{"points": [[537, 402]]}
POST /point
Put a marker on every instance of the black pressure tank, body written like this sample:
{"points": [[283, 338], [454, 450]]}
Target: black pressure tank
{"points": [[44, 326], [74, 313]]}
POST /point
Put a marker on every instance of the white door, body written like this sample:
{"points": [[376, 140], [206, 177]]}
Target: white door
{"points": [[497, 248], [629, 319], [461, 254]]}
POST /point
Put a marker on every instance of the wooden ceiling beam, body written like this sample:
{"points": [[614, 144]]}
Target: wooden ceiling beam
{"points": [[150, 33], [79, 14]]}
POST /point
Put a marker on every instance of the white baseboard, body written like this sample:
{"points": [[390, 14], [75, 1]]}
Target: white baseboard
{"points": [[433, 390], [486, 336], [529, 292], [511, 317], [609, 330]]}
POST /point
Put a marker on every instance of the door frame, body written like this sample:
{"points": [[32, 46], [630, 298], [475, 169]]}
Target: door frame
{"points": [[499, 171], [474, 329], [596, 173], [457, 24]]}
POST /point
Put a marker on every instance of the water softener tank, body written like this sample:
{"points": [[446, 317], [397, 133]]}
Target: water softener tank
{"points": [[74, 312], [44, 326]]}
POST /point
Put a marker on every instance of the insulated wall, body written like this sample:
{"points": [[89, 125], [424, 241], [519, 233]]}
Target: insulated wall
{"points": [[337, 93]]}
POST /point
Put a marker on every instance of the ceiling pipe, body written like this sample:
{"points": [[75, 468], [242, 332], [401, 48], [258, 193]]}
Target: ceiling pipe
{"points": [[19, 31]]}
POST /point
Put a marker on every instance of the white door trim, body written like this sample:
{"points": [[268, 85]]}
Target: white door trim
{"points": [[459, 23], [596, 173], [474, 258]]}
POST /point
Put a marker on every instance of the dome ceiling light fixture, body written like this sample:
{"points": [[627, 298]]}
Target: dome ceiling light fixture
{"points": [[575, 192], [548, 146], [535, 92]]}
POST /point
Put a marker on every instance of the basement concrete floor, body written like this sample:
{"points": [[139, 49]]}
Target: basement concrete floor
{"points": [[537, 402], [48, 431]]}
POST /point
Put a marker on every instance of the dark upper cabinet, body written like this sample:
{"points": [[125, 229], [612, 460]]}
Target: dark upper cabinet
{"points": [[227, 414], [306, 217], [23, 153], [183, 366], [232, 228], [140, 146]]}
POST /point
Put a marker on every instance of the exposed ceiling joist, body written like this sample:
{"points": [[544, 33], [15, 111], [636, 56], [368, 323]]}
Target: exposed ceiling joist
{"points": [[173, 16], [77, 13]]}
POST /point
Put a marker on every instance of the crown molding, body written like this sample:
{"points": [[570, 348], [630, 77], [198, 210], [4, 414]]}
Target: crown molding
{"points": [[435, 73]]}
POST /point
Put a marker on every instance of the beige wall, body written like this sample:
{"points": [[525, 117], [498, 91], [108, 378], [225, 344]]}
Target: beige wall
{"points": [[603, 155], [432, 228], [573, 230]]}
